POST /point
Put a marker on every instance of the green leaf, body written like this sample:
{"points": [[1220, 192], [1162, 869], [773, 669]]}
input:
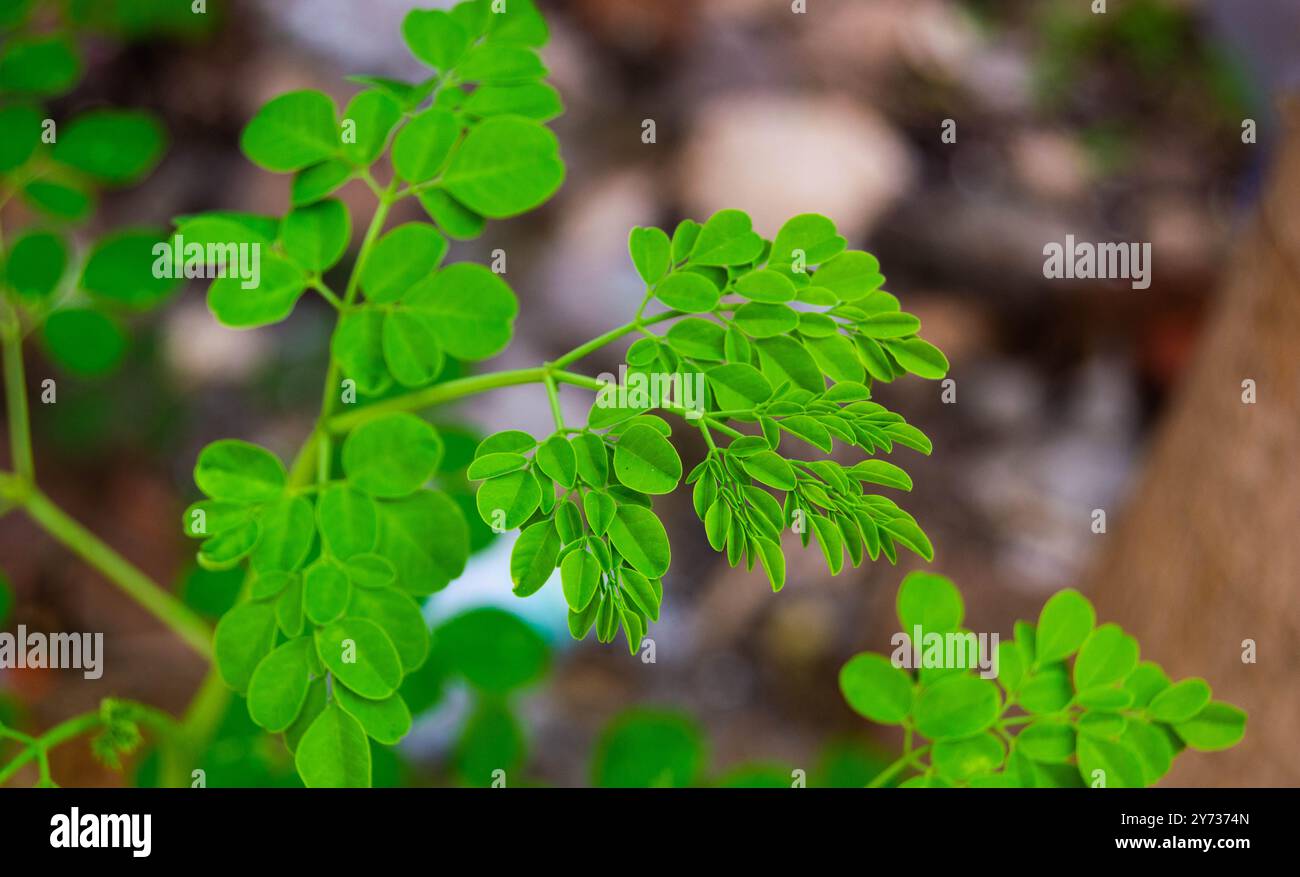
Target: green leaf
{"points": [[919, 357], [881, 472], [812, 233], [279, 685], [38, 65], [412, 350], [243, 637], [292, 131], [513, 441], [316, 236], [643, 749], [508, 500], [956, 706], [315, 182], [1119, 767], [1145, 683], [499, 64], [645, 461], [435, 37], [579, 576], [122, 267], [1107, 655], [505, 166], [875, 688], [770, 469], [1218, 726], [727, 238], [737, 385], [281, 284], [399, 616], [392, 456], [112, 146], [63, 202], [556, 458], [763, 320], [422, 146], [400, 259], [1046, 692], [651, 253], [1180, 701], [84, 341], [227, 548], [358, 347], [326, 590], [473, 310], [492, 465], [1050, 739], [334, 752], [592, 460], [495, 651], [533, 559], [387, 720], [641, 539], [491, 741], [929, 601], [968, 758], [455, 219], [288, 530], [850, 275], [373, 114], [361, 655], [517, 22], [238, 471], [696, 338], [784, 359], [688, 291], [600, 509], [837, 357], [37, 262], [890, 324], [22, 127], [1151, 746], [1065, 622], [534, 100], [766, 286]]}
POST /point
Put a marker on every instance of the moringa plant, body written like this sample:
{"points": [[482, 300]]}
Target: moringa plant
{"points": [[343, 542], [769, 349], [1103, 720]]}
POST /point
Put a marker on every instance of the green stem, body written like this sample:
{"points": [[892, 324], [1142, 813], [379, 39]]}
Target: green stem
{"points": [[449, 391], [908, 759], [162, 605], [20, 435], [75, 727], [553, 395], [611, 336]]}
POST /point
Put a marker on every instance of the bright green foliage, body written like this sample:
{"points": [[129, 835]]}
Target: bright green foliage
{"points": [[334, 573], [1071, 704], [766, 329], [649, 749], [56, 166]]}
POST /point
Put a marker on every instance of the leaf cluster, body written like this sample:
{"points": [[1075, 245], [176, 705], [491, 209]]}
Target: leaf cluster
{"points": [[77, 300], [1072, 703]]}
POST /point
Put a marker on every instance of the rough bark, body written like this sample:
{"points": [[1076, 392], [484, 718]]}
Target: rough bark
{"points": [[1207, 553]]}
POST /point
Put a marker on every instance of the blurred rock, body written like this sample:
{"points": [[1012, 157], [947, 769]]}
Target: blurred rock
{"points": [[778, 155]]}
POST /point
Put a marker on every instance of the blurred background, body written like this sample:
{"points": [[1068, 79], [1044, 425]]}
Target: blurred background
{"points": [[1071, 396]]}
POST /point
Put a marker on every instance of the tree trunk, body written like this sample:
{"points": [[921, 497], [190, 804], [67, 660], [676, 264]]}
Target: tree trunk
{"points": [[1207, 554]]}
